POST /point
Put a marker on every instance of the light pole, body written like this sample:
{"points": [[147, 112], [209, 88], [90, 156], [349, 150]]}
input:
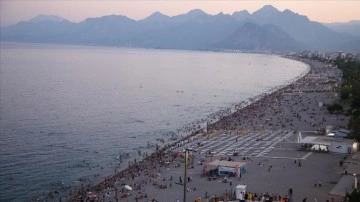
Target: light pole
{"points": [[185, 171], [355, 183]]}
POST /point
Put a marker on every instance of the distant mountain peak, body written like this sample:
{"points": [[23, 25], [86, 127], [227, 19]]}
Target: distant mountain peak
{"points": [[196, 12], [241, 15], [267, 10], [47, 18], [113, 17], [288, 11], [157, 14], [156, 17]]}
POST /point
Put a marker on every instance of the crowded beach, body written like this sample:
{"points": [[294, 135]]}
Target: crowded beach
{"points": [[261, 136]]}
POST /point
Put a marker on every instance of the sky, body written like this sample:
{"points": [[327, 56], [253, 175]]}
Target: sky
{"points": [[325, 11]]}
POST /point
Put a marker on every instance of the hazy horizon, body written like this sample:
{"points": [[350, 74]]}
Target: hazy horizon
{"points": [[13, 12]]}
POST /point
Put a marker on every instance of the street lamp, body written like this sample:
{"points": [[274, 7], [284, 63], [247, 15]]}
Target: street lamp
{"points": [[355, 183], [185, 171]]}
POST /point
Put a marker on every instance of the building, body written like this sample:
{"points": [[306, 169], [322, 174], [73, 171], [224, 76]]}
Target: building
{"points": [[240, 191], [328, 144], [228, 167]]}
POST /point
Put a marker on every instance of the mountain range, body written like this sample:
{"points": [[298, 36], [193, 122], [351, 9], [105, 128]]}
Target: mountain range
{"points": [[267, 29], [352, 27]]}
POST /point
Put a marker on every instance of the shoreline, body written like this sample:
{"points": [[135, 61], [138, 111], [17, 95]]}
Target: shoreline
{"points": [[223, 124]]}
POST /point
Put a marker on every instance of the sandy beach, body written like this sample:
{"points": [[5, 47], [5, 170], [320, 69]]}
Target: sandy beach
{"points": [[264, 135]]}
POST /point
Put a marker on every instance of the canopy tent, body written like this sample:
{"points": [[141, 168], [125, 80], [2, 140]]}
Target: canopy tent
{"points": [[314, 144], [228, 167], [315, 140], [331, 144], [231, 164]]}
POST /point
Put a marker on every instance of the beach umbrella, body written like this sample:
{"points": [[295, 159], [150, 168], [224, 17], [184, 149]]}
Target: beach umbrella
{"points": [[128, 187]]}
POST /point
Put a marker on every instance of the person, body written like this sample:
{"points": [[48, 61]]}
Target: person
{"points": [[290, 192], [304, 200], [180, 180]]}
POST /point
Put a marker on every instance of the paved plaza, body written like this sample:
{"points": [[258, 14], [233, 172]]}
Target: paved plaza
{"points": [[261, 149]]}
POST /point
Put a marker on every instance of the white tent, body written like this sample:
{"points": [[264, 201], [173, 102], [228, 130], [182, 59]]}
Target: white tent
{"points": [[233, 167], [337, 145], [315, 140]]}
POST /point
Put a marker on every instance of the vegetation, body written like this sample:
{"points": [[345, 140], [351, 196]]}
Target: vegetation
{"points": [[354, 196], [336, 107], [350, 94]]}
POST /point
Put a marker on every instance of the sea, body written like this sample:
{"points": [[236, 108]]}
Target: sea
{"points": [[72, 115]]}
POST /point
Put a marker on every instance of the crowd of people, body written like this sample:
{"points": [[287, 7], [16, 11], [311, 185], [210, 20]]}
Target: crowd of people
{"points": [[296, 106]]}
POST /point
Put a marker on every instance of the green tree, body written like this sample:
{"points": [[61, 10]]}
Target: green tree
{"points": [[345, 92], [336, 107], [349, 94], [351, 91], [354, 124], [354, 196], [355, 104]]}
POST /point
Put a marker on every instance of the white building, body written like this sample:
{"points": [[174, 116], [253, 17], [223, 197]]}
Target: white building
{"points": [[240, 191], [229, 167], [329, 144]]}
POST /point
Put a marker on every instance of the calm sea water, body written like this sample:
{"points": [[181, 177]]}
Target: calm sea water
{"points": [[68, 111]]}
